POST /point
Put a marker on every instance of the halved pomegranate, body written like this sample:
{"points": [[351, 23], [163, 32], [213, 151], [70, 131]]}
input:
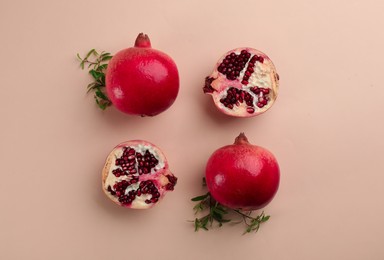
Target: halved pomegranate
{"points": [[244, 83], [136, 175]]}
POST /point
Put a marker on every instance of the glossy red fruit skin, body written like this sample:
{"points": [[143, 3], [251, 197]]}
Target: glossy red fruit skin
{"points": [[141, 80], [242, 176]]}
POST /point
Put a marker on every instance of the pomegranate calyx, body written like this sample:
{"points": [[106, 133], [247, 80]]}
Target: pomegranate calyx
{"points": [[142, 41], [241, 139]]}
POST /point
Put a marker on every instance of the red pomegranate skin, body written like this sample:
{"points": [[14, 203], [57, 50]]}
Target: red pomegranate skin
{"points": [[141, 80], [242, 176]]}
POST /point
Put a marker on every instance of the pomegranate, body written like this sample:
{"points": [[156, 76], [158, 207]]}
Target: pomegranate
{"points": [[244, 83], [136, 175], [141, 80], [242, 176]]}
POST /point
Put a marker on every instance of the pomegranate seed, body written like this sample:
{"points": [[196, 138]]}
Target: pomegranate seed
{"points": [[260, 105], [255, 90], [261, 59], [244, 82], [250, 110]]}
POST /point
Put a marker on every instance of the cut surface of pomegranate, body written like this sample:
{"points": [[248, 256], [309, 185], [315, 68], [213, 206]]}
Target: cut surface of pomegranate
{"points": [[244, 83], [141, 80], [136, 175], [242, 175]]}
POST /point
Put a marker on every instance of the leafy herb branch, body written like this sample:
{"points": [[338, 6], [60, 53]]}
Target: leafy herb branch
{"points": [[97, 64], [215, 212]]}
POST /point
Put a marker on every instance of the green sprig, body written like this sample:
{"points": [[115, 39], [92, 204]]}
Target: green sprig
{"points": [[218, 213], [97, 68]]}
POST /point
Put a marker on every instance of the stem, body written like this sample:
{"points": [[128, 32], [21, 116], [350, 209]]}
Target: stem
{"points": [[241, 213], [90, 62]]}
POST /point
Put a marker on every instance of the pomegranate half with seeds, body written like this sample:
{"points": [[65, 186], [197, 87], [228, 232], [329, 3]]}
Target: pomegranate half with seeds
{"points": [[244, 83], [136, 175], [242, 175]]}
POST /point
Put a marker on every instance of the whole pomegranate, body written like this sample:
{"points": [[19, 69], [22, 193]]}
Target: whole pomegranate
{"points": [[242, 175], [244, 83], [136, 175], [141, 80]]}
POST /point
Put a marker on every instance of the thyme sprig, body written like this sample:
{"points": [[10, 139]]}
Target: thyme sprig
{"points": [[97, 64], [215, 212]]}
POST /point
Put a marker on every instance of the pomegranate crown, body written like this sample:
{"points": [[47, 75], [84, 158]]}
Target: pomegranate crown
{"points": [[142, 41], [241, 139]]}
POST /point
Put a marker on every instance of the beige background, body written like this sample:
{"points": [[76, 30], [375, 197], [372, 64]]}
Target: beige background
{"points": [[325, 129]]}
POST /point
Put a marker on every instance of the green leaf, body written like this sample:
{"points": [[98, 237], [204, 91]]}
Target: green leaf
{"points": [[197, 224], [100, 94], [204, 220], [199, 198], [265, 218], [91, 86], [217, 217], [103, 104], [102, 67], [198, 207], [93, 51], [220, 210], [106, 58], [103, 54], [96, 74]]}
